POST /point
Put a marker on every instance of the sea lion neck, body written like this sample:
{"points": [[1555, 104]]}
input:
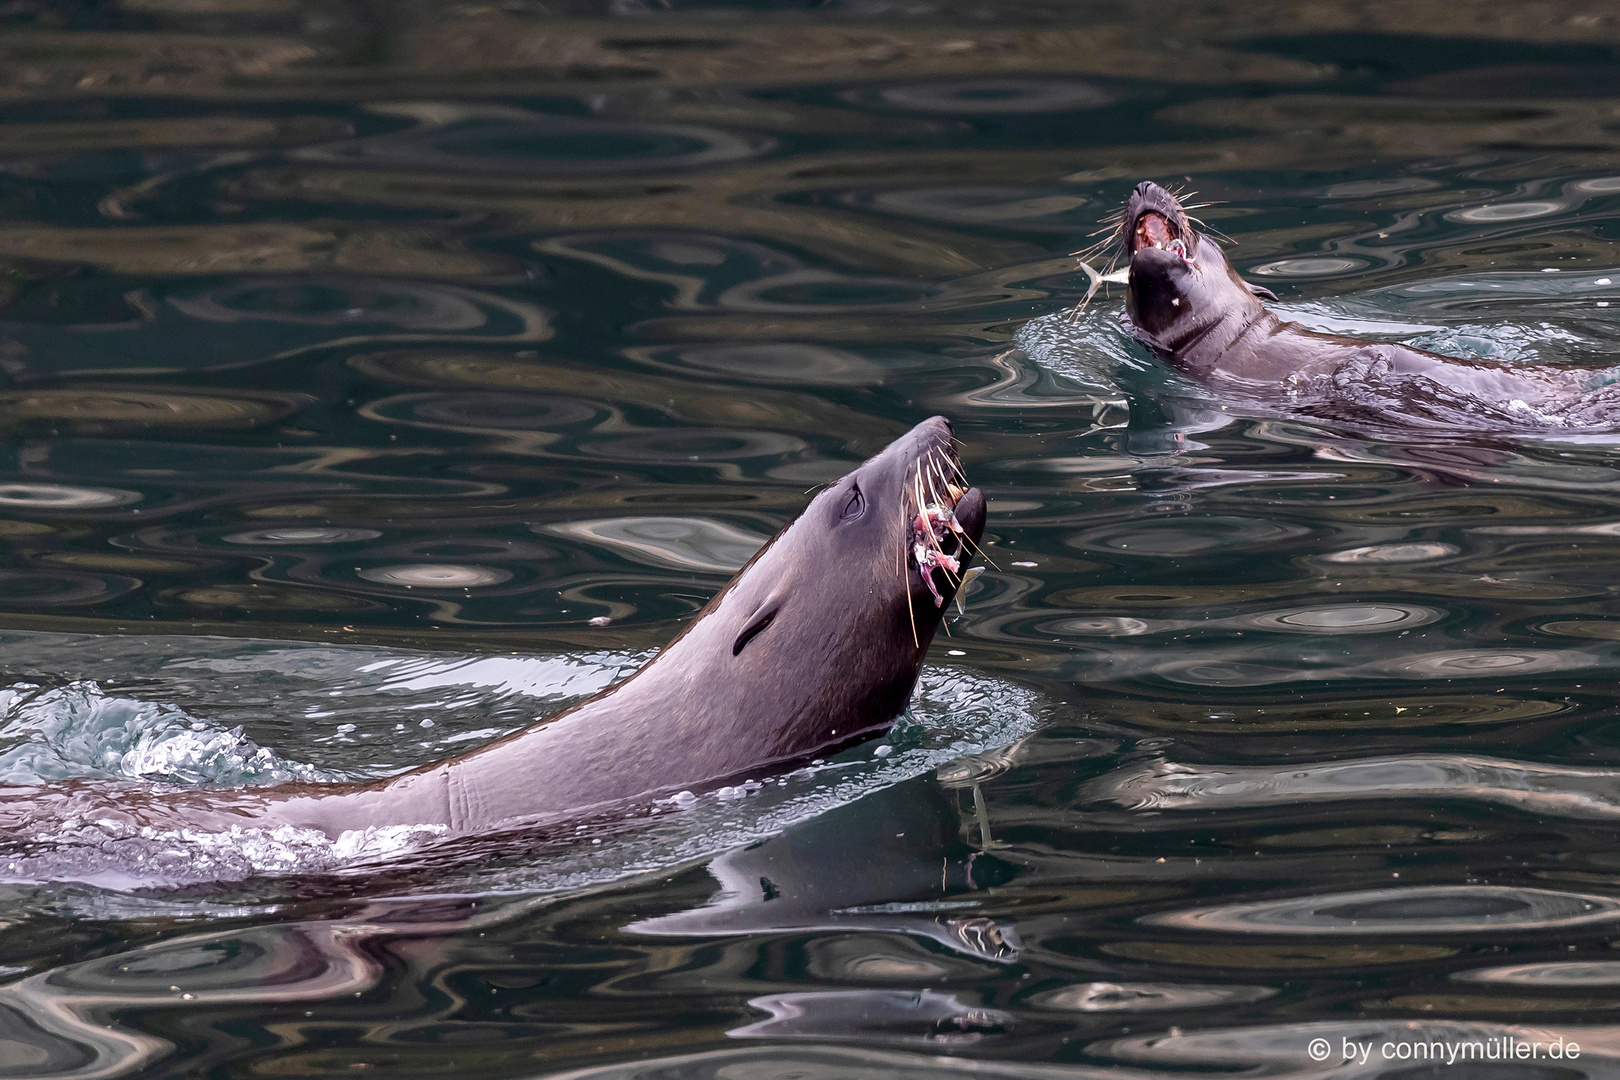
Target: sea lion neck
{"points": [[1187, 303]]}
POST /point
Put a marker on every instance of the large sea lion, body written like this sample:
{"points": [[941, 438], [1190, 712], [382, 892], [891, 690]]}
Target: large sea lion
{"points": [[1186, 303], [815, 644]]}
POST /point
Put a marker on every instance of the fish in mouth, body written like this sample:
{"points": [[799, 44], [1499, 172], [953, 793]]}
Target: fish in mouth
{"points": [[1186, 302], [1154, 219], [936, 540]]}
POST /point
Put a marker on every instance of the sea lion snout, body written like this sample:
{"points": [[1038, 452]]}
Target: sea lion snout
{"points": [[1180, 285], [930, 433], [971, 513], [1161, 244], [1154, 220], [1160, 288]]}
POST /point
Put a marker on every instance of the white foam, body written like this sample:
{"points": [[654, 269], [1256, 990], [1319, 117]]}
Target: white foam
{"points": [[289, 849], [117, 856], [77, 731]]}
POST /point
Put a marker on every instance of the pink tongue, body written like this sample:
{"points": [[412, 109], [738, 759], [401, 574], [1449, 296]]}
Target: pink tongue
{"points": [[1152, 230]]}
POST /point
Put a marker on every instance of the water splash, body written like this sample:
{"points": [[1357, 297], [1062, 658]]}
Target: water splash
{"points": [[77, 731], [109, 854]]}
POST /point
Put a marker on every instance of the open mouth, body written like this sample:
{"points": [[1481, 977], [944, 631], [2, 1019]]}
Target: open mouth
{"points": [[1154, 230], [935, 540]]}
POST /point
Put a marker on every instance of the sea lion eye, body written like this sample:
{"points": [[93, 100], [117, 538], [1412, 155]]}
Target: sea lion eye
{"points": [[854, 505]]}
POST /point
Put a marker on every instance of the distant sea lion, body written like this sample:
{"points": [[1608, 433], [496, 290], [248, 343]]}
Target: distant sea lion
{"points": [[814, 645], [1186, 303]]}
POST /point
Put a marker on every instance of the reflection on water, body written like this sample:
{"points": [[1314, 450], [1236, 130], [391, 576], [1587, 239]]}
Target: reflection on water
{"points": [[684, 543], [1146, 997], [1540, 789], [873, 1016], [374, 383], [1434, 909], [503, 139]]}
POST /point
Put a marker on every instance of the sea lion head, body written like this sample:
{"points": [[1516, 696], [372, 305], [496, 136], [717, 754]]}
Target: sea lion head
{"points": [[1180, 283], [826, 628]]}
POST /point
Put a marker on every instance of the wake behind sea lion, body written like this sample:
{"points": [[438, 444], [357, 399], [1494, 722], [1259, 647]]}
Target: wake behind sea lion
{"points": [[814, 645], [1186, 302]]}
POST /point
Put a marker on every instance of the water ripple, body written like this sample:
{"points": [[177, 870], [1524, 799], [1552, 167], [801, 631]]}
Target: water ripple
{"points": [[56, 497], [897, 1016], [437, 575], [1552, 790], [699, 544], [987, 96], [299, 535], [496, 139], [1417, 909], [1146, 997], [1551, 976], [1392, 553]]}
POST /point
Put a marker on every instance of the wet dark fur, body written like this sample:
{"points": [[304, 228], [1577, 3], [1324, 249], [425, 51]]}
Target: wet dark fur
{"points": [[815, 644], [1204, 319]]}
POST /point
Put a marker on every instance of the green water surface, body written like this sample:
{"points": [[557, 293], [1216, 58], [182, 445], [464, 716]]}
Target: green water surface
{"points": [[377, 378]]}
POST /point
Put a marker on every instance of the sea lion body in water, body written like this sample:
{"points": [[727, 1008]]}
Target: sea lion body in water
{"points": [[815, 644], [1187, 303]]}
